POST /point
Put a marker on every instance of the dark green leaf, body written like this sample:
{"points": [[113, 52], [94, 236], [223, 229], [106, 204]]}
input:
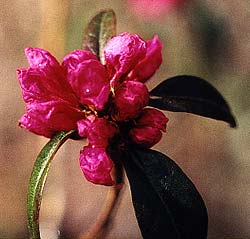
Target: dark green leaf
{"points": [[38, 178], [100, 29], [193, 95], [166, 202]]}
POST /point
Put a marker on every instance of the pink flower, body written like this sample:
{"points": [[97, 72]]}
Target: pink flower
{"points": [[81, 94], [130, 98], [148, 127], [152, 9], [98, 130], [53, 93], [96, 165]]}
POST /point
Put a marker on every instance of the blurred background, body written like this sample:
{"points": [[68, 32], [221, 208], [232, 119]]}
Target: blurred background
{"points": [[206, 38]]}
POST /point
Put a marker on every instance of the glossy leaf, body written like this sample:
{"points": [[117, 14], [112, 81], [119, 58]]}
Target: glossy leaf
{"points": [[193, 95], [166, 202], [100, 29], [38, 178]]}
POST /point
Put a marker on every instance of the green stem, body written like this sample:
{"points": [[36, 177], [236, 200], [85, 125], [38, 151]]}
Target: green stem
{"points": [[38, 179]]}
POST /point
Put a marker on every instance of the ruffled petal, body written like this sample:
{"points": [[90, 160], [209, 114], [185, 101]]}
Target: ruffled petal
{"points": [[37, 86], [150, 63], [130, 98], [39, 58], [122, 53], [98, 130], [145, 136], [44, 78], [73, 59], [90, 83], [35, 125], [84, 125], [148, 127], [153, 118], [96, 165], [47, 118]]}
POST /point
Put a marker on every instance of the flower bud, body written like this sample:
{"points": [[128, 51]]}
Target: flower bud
{"points": [[145, 136], [148, 127], [96, 165], [130, 98], [152, 117]]}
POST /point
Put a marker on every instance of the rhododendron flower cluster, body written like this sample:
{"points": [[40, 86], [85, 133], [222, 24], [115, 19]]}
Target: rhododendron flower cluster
{"points": [[104, 103]]}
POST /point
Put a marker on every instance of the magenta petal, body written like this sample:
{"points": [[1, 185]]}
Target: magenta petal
{"points": [[130, 98], [50, 101], [39, 58], [37, 86], [84, 125], [150, 63], [148, 127], [153, 118], [30, 122], [90, 83], [145, 136], [98, 130], [73, 59], [96, 165], [47, 118], [123, 52], [45, 78]]}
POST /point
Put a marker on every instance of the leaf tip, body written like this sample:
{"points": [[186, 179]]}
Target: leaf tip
{"points": [[98, 31], [233, 123]]}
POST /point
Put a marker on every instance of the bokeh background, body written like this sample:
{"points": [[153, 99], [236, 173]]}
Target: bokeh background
{"points": [[207, 38]]}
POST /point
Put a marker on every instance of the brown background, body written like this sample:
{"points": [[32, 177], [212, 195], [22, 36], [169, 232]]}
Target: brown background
{"points": [[208, 38]]}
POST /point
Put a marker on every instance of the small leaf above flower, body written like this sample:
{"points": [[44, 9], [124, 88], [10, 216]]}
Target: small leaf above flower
{"points": [[98, 32], [191, 94]]}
